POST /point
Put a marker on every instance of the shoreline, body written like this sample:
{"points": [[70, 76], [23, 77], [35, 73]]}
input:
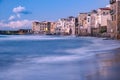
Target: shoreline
{"points": [[105, 66], [105, 38]]}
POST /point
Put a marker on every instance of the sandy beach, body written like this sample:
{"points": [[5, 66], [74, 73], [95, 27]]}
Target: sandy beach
{"points": [[105, 66]]}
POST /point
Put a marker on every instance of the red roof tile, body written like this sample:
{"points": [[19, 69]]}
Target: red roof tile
{"points": [[105, 8]]}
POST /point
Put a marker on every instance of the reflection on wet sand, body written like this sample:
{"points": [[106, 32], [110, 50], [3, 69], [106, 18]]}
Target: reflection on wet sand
{"points": [[108, 67]]}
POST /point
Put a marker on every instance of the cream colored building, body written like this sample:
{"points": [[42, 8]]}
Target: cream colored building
{"points": [[82, 20], [83, 24], [53, 27], [94, 18], [103, 15], [66, 26], [88, 23], [93, 24], [41, 27]]}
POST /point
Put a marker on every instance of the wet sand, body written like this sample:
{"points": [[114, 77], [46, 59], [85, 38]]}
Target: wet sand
{"points": [[105, 66]]}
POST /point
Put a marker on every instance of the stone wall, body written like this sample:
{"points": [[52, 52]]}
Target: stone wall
{"points": [[111, 28], [95, 32]]}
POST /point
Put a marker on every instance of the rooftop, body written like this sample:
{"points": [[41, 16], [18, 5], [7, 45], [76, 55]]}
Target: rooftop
{"points": [[105, 8]]}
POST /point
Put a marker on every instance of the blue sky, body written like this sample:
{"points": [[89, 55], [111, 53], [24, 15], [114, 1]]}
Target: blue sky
{"points": [[26, 10]]}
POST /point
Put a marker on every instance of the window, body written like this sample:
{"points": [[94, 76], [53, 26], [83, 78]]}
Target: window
{"points": [[112, 18], [115, 17], [103, 13], [88, 19]]}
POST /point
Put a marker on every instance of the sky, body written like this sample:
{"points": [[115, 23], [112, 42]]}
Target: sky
{"points": [[16, 14]]}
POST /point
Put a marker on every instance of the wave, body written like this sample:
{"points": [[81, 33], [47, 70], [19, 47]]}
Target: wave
{"points": [[98, 45], [54, 59], [33, 37]]}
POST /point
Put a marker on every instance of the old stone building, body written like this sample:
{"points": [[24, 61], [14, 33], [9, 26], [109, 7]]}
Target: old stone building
{"points": [[114, 24], [41, 27], [82, 24], [93, 16], [88, 22], [82, 19], [99, 21], [94, 27], [66, 26], [53, 27], [76, 27], [103, 15]]}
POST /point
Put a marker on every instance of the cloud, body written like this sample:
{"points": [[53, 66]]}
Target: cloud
{"points": [[12, 17], [21, 10], [14, 22], [17, 24], [108, 5], [18, 11]]}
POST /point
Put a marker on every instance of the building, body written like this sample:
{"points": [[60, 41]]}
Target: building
{"points": [[53, 27], [72, 23], [66, 26], [82, 24], [93, 19], [99, 21], [94, 27], [60, 26], [41, 27], [82, 19], [88, 22], [114, 24], [76, 27], [103, 16]]}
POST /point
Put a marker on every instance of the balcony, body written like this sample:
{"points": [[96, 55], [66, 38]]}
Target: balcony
{"points": [[112, 1]]}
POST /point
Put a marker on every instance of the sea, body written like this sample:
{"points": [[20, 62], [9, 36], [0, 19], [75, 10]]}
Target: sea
{"points": [[41, 57]]}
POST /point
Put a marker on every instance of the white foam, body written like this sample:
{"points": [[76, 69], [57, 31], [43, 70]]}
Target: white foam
{"points": [[98, 45], [76, 54], [53, 59], [31, 37]]}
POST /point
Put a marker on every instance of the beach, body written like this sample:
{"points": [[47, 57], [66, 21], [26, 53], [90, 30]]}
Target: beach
{"points": [[30, 57], [105, 66]]}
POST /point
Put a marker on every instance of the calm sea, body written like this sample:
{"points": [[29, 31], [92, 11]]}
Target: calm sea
{"points": [[34, 57]]}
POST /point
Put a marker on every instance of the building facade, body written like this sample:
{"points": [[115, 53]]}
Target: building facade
{"points": [[82, 24], [97, 23], [103, 15], [114, 24], [82, 19], [53, 27], [89, 23], [94, 27], [41, 27], [76, 27], [66, 26]]}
